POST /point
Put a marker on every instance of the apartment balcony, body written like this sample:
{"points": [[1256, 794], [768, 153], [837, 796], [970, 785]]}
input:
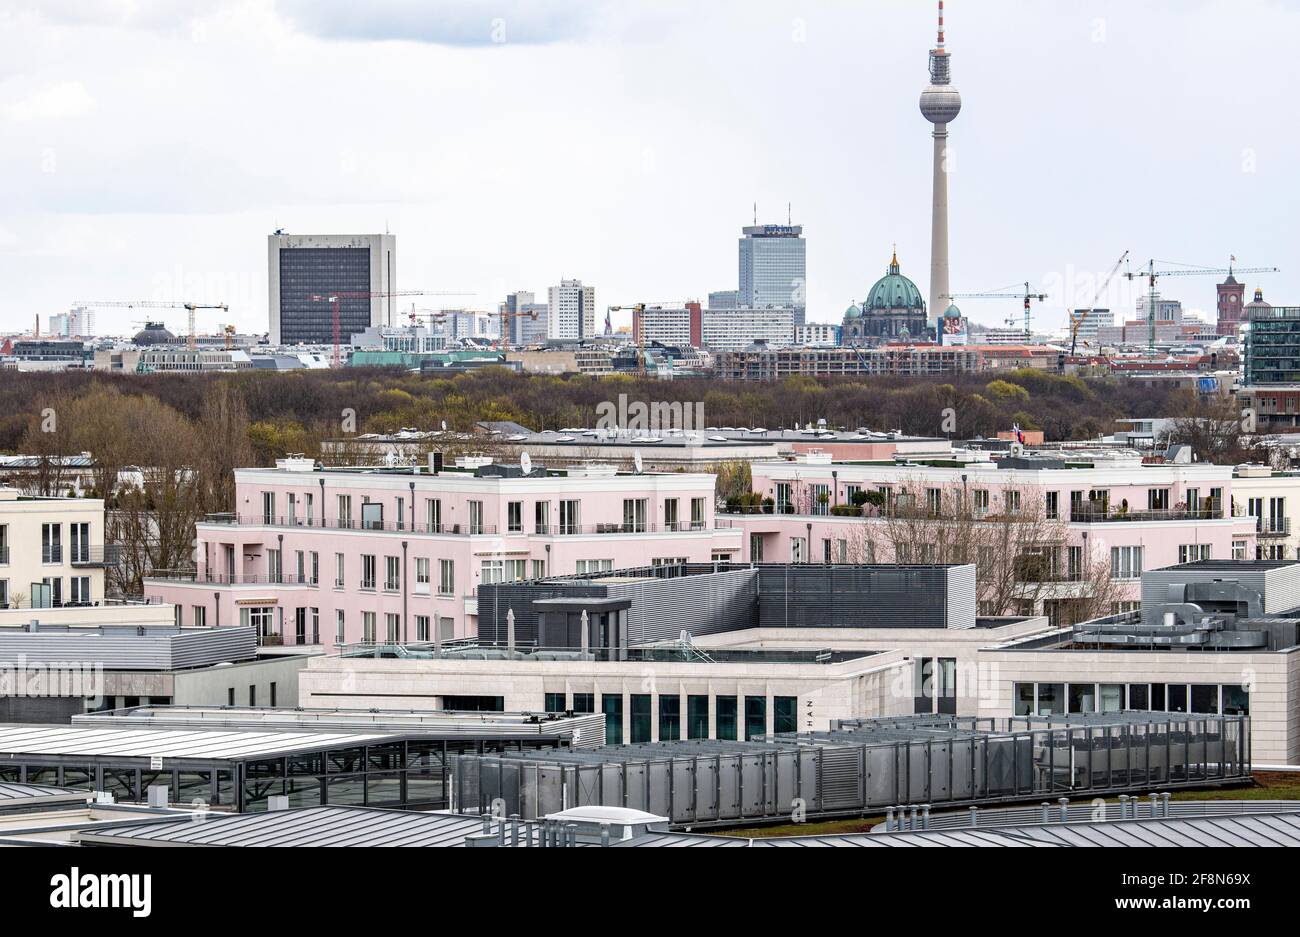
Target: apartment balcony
{"points": [[319, 523], [589, 530], [100, 557], [1100, 515], [1273, 527], [203, 577]]}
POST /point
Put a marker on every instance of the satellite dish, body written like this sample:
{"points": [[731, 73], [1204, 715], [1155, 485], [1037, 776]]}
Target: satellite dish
{"points": [[525, 463], [638, 462]]}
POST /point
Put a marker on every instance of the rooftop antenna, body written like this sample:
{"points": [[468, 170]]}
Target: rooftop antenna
{"points": [[940, 25], [789, 214], [756, 214]]}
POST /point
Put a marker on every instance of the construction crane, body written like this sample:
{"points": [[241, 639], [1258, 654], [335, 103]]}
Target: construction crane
{"points": [[1152, 275], [638, 326], [191, 308], [334, 299], [1078, 318], [507, 317], [1029, 297]]}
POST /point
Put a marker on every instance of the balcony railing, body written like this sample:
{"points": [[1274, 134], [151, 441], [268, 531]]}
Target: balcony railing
{"points": [[460, 530], [97, 556], [1273, 526], [224, 579], [1087, 515], [320, 523], [614, 527]]}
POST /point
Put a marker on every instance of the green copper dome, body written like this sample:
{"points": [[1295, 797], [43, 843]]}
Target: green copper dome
{"points": [[894, 291], [952, 312], [853, 312]]}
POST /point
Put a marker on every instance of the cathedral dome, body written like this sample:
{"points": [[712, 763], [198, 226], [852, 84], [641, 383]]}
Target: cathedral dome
{"points": [[853, 312], [894, 291]]}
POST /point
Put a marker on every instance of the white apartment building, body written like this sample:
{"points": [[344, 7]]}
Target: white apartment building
{"points": [[737, 329], [571, 311], [1271, 498], [51, 551]]}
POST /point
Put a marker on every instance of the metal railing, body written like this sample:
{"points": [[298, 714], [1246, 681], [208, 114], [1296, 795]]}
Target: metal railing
{"points": [[104, 555], [1273, 526], [320, 523], [226, 579], [1114, 515]]}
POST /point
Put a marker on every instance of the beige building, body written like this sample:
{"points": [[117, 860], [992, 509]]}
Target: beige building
{"points": [[52, 551]]}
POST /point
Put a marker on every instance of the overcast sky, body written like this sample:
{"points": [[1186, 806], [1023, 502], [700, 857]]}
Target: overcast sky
{"points": [[151, 145]]}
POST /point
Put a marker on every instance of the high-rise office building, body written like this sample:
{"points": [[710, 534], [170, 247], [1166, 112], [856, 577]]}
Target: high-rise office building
{"points": [[359, 268], [523, 319], [572, 311], [724, 299], [773, 268]]}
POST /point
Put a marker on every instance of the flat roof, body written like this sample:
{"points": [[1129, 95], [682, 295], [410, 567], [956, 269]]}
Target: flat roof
{"points": [[1255, 830], [199, 744], [309, 826], [408, 722], [14, 796]]}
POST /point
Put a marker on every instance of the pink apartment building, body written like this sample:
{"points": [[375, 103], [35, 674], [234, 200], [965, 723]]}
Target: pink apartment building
{"points": [[1111, 507], [337, 556]]}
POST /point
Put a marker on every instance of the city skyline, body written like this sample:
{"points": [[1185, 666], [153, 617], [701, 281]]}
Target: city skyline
{"points": [[161, 180]]}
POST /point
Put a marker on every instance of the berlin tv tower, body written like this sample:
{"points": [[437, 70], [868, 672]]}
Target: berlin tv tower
{"points": [[940, 104]]}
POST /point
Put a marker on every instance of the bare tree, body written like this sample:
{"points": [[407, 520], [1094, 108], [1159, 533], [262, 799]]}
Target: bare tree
{"points": [[1025, 563]]}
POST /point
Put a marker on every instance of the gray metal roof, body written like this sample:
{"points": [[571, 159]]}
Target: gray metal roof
{"points": [[582, 729], [1255, 830], [206, 745], [160, 648], [1281, 829], [311, 826], [25, 795]]}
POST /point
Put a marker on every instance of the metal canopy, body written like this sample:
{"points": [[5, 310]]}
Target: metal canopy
{"points": [[202, 745], [311, 826]]}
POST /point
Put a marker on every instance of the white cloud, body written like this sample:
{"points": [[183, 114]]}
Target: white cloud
{"points": [[55, 102]]}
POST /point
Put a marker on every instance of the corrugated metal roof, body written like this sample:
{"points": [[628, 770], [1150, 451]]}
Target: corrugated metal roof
{"points": [[19, 795], [1257, 830], [122, 648], [1281, 829], [205, 745], [311, 826]]}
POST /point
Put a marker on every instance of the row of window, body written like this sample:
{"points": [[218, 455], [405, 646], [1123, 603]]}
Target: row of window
{"points": [[306, 625], [52, 543], [640, 718], [1052, 699], [635, 514], [1082, 503], [49, 592]]}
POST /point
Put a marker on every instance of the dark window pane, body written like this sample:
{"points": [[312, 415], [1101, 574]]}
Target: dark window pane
{"points": [[1138, 697], [755, 717], [584, 702], [612, 706], [697, 717], [670, 718], [1205, 698], [785, 714], [726, 718], [640, 727]]}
